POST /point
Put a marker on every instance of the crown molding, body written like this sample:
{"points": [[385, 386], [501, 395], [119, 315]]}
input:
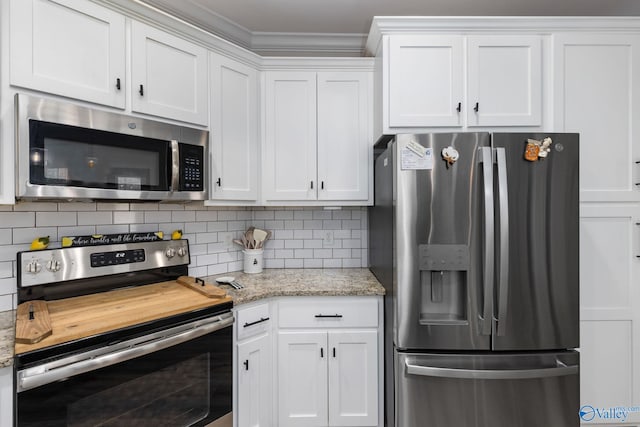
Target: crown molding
{"points": [[317, 63], [387, 25], [316, 44]]}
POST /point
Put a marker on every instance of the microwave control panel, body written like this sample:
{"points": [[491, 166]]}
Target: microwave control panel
{"points": [[191, 167]]}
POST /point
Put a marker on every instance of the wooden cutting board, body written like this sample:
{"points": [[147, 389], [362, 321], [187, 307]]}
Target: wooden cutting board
{"points": [[80, 317]]}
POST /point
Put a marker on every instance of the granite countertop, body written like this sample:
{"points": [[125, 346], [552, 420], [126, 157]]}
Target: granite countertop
{"points": [[301, 282], [7, 337]]}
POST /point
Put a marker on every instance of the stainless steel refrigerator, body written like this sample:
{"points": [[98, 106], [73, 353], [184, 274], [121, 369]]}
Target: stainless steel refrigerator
{"points": [[475, 239]]}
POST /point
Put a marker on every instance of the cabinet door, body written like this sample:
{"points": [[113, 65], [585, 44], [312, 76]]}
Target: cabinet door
{"points": [[254, 382], [504, 77], [234, 130], [302, 379], [353, 378], [425, 81], [290, 138], [597, 93], [168, 75], [344, 137], [72, 48]]}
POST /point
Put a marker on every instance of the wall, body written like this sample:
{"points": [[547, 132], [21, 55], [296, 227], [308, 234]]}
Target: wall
{"points": [[298, 233]]}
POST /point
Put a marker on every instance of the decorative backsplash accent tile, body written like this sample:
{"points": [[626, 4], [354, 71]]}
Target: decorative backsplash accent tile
{"points": [[302, 237]]}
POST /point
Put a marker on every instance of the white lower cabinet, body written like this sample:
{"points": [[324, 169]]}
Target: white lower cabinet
{"points": [[6, 397]]}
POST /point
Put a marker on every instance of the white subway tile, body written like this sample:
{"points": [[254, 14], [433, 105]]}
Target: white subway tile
{"points": [[257, 223], [227, 215], [312, 224], [341, 214], [342, 253], [303, 215], [95, 218], [283, 234], [293, 244], [198, 271], [322, 253], [112, 229], [275, 244], [5, 236], [8, 285], [217, 226], [312, 263], [365, 258], [303, 253], [127, 217], [353, 224], [351, 243], [85, 230], [228, 235], [212, 270], [227, 257], [284, 253], [26, 235], [206, 237], [157, 216], [342, 234], [355, 234], [284, 215], [331, 263], [112, 206], [144, 228], [35, 207], [236, 225], [208, 259], [356, 253], [293, 263], [20, 219], [195, 250], [6, 269], [195, 227], [206, 216], [269, 253], [265, 215], [8, 252], [294, 224], [331, 224], [44, 219], [318, 234], [183, 216], [321, 214], [216, 247], [312, 244], [274, 225], [234, 266], [143, 206], [6, 302], [302, 234], [170, 207], [76, 207], [351, 263], [358, 214], [274, 263], [195, 206], [244, 215]]}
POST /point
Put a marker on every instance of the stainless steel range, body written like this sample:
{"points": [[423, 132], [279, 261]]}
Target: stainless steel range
{"points": [[116, 335]]}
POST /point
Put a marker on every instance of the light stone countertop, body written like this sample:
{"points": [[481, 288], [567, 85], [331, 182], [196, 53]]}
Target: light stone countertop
{"points": [[7, 337], [301, 282]]}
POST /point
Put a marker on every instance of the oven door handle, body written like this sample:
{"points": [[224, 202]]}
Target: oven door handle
{"points": [[27, 380]]}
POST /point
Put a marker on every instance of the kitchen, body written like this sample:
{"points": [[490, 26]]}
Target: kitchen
{"points": [[609, 208]]}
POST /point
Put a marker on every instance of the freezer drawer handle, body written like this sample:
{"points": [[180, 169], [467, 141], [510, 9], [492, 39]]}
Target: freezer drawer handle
{"points": [[491, 374], [262, 319]]}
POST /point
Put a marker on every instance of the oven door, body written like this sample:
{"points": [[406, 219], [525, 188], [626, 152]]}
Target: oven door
{"points": [[177, 377]]}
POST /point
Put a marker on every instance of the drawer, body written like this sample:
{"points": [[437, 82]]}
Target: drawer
{"points": [[328, 312], [252, 320]]}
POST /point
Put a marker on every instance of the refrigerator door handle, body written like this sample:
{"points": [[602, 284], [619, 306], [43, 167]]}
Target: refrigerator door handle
{"points": [[491, 374], [489, 243], [503, 273]]}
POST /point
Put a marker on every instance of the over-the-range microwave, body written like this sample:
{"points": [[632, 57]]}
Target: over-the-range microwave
{"points": [[65, 152]]}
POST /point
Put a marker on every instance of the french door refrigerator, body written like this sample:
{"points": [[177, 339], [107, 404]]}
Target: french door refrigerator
{"points": [[475, 239]]}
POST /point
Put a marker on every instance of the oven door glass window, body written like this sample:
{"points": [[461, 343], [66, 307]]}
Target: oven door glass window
{"points": [[185, 385], [73, 156]]}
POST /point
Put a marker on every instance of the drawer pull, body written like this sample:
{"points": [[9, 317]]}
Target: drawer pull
{"points": [[328, 316], [246, 365], [262, 319]]}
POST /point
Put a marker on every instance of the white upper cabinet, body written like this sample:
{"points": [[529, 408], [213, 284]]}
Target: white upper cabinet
{"points": [[504, 81], [290, 139], [234, 130], [168, 75], [72, 48], [597, 93], [429, 81], [425, 80], [318, 136], [344, 135]]}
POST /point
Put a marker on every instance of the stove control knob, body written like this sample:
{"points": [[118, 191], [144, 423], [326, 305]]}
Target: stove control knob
{"points": [[53, 265], [182, 251], [34, 267], [170, 253]]}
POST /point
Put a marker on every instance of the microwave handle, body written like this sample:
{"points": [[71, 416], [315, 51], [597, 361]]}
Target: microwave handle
{"points": [[175, 166]]}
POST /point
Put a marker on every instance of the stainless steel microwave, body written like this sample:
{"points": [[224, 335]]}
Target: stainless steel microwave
{"points": [[65, 151]]}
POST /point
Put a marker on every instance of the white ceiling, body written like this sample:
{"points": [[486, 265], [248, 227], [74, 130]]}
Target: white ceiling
{"points": [[242, 21]]}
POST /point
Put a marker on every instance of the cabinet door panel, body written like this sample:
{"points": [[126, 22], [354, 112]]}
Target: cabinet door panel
{"points": [[302, 379], [172, 73], [504, 79], [68, 47], [425, 80], [234, 127], [254, 382], [343, 136], [353, 378], [290, 140], [596, 95]]}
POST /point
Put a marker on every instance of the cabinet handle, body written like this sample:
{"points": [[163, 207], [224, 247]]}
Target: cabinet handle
{"points": [[141, 91], [322, 185], [334, 352], [324, 316], [312, 185], [219, 182], [477, 107], [246, 365], [118, 83], [459, 107], [321, 352], [262, 319]]}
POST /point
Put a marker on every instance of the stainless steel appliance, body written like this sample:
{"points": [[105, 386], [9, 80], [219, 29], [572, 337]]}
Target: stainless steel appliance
{"points": [[130, 344], [477, 248], [65, 151]]}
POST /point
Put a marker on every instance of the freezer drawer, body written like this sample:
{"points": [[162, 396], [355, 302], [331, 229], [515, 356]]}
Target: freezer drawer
{"points": [[488, 390]]}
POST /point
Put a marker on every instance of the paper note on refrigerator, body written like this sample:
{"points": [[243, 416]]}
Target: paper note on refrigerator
{"points": [[410, 160]]}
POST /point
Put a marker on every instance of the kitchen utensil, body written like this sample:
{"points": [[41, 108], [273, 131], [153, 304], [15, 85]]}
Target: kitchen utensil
{"points": [[259, 235], [229, 280], [250, 239]]}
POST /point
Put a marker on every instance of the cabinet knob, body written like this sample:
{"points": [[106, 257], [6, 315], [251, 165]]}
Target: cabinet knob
{"points": [[141, 91], [459, 108], [246, 365], [118, 83], [321, 352], [312, 185], [477, 107], [219, 182], [322, 185]]}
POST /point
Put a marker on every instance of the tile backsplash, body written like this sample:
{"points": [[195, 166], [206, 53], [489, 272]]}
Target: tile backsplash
{"points": [[302, 237]]}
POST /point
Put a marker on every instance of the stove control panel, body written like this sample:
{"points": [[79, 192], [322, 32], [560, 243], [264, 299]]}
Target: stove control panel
{"points": [[105, 259]]}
